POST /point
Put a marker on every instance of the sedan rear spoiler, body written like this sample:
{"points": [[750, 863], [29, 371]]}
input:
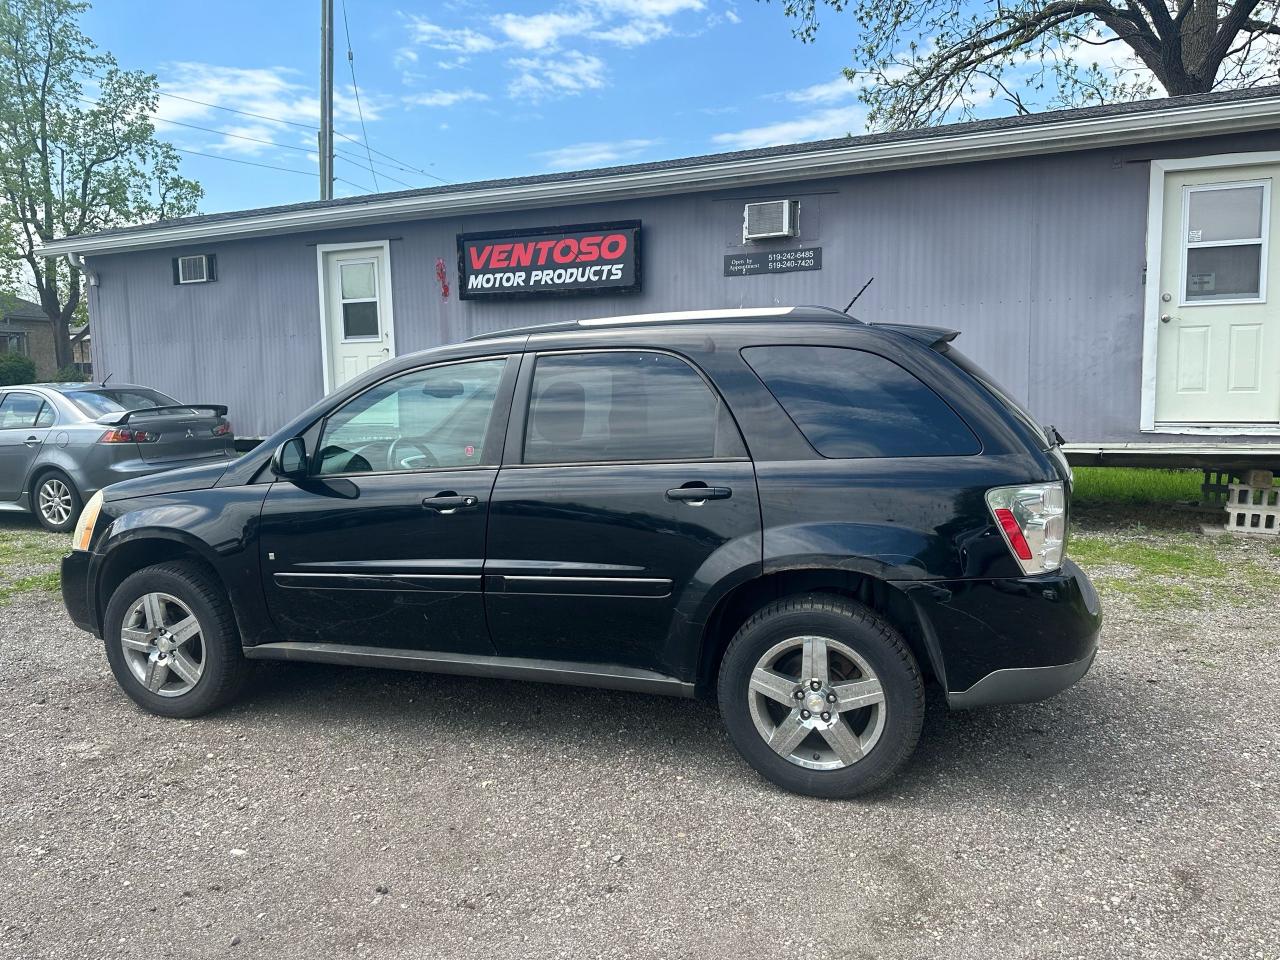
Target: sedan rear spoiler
{"points": [[121, 417]]}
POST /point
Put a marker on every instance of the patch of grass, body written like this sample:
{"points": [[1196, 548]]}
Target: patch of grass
{"points": [[29, 559], [1128, 485], [1173, 572], [1150, 594], [1177, 559], [49, 581]]}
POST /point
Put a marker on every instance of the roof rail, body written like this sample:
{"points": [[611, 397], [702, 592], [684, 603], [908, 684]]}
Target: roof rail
{"points": [[723, 315]]}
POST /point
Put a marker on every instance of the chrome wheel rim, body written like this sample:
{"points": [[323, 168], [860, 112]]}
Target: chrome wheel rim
{"points": [[163, 644], [55, 501], [817, 703]]}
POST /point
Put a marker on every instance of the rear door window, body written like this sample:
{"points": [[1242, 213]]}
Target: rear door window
{"points": [[24, 411], [628, 406], [852, 404]]}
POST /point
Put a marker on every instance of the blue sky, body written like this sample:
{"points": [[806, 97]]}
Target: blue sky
{"points": [[470, 90]]}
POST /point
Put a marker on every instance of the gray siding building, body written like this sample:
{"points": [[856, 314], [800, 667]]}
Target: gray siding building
{"points": [[1114, 267]]}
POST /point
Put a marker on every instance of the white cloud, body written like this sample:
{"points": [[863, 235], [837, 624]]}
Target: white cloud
{"points": [[732, 16], [832, 91], [269, 92], [548, 67], [444, 98], [647, 9], [595, 154], [542, 30], [633, 33], [834, 122], [460, 40], [541, 77]]}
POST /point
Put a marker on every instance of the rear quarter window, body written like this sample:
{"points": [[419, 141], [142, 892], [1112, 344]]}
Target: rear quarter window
{"points": [[854, 404]]}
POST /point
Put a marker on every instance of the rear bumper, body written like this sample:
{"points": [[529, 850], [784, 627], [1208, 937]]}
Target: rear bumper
{"points": [[1010, 640], [76, 590], [1020, 684]]}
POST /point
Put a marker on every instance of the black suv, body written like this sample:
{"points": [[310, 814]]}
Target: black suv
{"points": [[804, 515]]}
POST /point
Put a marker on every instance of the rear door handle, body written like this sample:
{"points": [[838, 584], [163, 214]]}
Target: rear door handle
{"points": [[449, 502], [696, 495], [32, 441]]}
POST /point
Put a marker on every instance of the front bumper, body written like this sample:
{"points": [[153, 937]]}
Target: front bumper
{"points": [[76, 595], [1011, 640]]}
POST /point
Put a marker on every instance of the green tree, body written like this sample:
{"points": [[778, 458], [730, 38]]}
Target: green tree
{"points": [[78, 151], [923, 61]]}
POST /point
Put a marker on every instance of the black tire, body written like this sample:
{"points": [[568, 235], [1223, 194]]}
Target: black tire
{"points": [[224, 667], [865, 633], [47, 479]]}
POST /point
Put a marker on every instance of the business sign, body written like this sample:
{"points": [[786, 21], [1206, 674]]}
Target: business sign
{"points": [[772, 261], [583, 258]]}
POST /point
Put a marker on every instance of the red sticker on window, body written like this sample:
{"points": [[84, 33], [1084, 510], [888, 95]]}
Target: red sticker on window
{"points": [[469, 450]]}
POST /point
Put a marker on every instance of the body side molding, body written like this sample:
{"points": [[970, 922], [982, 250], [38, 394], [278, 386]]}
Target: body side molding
{"points": [[603, 676]]}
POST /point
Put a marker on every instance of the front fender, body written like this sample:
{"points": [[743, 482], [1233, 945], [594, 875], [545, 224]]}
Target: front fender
{"points": [[220, 526]]}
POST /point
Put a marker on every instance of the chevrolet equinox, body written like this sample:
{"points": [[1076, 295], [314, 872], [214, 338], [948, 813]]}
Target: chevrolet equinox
{"points": [[805, 516]]}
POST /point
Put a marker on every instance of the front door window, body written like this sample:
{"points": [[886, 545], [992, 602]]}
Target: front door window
{"points": [[429, 419]]}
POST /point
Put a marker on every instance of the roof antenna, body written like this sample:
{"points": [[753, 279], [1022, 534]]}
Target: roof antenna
{"points": [[113, 373], [857, 295]]}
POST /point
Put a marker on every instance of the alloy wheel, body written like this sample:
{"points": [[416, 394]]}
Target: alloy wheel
{"points": [[163, 644], [816, 702], [54, 501]]}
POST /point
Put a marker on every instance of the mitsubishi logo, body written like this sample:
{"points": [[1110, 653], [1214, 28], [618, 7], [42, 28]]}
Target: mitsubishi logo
{"points": [[190, 433]]}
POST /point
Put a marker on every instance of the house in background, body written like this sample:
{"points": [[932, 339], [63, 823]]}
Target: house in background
{"points": [[1114, 267], [26, 331]]}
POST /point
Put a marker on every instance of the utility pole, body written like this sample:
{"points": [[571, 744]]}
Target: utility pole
{"points": [[326, 99]]}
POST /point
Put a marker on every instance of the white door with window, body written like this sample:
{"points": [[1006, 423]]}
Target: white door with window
{"points": [[356, 308], [1218, 335]]}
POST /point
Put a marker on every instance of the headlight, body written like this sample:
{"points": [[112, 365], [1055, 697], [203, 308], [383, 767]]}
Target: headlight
{"points": [[84, 526], [1033, 520]]}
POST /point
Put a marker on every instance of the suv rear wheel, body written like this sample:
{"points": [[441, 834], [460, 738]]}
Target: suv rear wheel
{"points": [[172, 641], [822, 696]]}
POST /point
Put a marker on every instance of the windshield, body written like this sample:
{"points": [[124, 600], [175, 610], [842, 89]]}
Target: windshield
{"points": [[104, 400], [997, 391]]}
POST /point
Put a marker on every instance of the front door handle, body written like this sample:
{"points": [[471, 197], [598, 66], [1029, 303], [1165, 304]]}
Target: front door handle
{"points": [[698, 493], [32, 441], [449, 502]]}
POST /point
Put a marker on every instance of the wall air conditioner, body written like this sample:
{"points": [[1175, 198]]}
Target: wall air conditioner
{"points": [[770, 219]]}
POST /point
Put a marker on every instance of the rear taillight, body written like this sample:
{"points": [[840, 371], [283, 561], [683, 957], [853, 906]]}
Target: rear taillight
{"points": [[126, 435], [1033, 520], [222, 429]]}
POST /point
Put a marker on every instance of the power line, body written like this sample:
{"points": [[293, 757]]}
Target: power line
{"points": [[386, 176], [351, 62], [396, 163], [268, 166], [407, 169], [248, 163]]}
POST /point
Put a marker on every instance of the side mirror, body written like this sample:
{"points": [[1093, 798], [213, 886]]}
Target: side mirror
{"points": [[290, 459]]}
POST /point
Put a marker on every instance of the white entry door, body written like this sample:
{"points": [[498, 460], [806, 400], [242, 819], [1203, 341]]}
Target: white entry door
{"points": [[1218, 337], [358, 326]]}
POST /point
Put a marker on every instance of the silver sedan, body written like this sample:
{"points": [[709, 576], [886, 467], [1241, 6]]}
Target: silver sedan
{"points": [[62, 442]]}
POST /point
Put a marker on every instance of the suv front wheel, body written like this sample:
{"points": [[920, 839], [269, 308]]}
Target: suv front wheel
{"points": [[822, 696], [172, 640]]}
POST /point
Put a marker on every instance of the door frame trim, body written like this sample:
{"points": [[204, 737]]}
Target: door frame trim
{"points": [[384, 298], [1151, 312]]}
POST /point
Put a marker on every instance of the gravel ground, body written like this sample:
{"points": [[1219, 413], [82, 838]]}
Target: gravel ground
{"points": [[340, 812]]}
